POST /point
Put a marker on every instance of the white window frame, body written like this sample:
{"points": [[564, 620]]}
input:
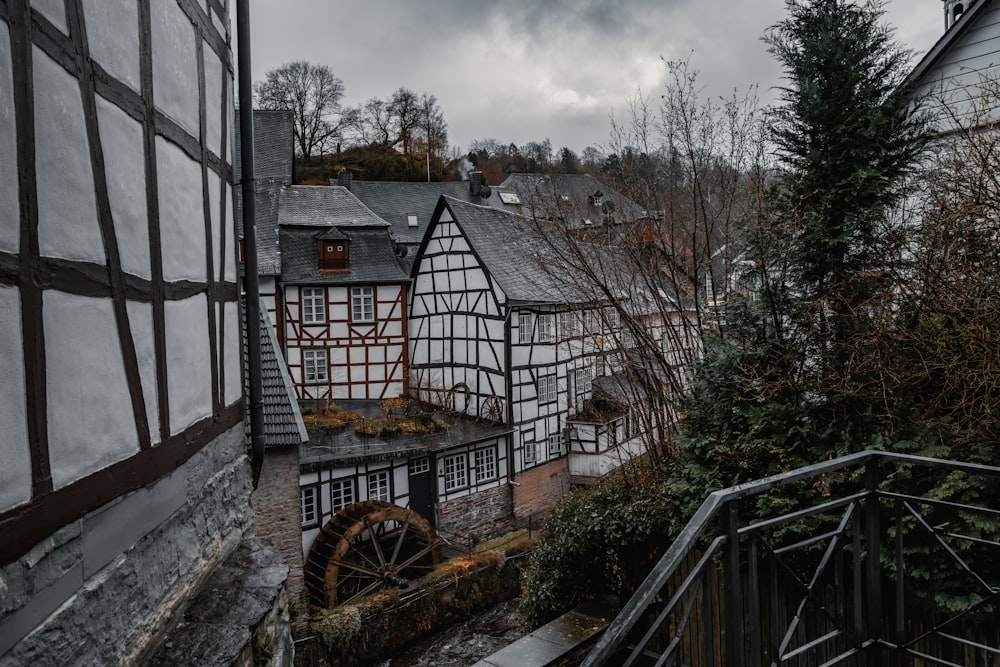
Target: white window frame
{"points": [[546, 328], [591, 321], [420, 466], [379, 487], [569, 325], [342, 493], [531, 453], [315, 365], [583, 380], [456, 472], [485, 464], [524, 328], [548, 388], [362, 304], [554, 445], [309, 505], [313, 305]]}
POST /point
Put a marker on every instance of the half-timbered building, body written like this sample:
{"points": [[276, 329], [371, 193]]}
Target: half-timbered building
{"points": [[498, 332], [123, 478], [342, 297]]}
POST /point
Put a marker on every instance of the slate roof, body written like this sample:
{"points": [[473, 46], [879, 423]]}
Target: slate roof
{"points": [[372, 256], [508, 246], [393, 202], [322, 206], [566, 197], [274, 148], [283, 425]]}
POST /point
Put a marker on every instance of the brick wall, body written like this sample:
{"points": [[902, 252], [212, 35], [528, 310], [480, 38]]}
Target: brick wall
{"points": [[540, 488], [278, 516], [483, 514]]}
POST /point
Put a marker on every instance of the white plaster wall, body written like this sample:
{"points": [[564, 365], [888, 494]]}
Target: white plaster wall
{"points": [[214, 184], [113, 37], [90, 418], [121, 141], [231, 364], [213, 100], [53, 10], [67, 211], [229, 229], [175, 64], [140, 317], [182, 213], [10, 221], [15, 461], [189, 378]]}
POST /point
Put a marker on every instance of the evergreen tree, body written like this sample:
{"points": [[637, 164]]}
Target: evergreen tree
{"points": [[797, 378]]}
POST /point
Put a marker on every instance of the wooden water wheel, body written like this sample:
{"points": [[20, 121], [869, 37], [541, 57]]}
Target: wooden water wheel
{"points": [[368, 546]]}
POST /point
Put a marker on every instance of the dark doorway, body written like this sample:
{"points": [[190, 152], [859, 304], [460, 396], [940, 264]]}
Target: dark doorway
{"points": [[422, 488]]}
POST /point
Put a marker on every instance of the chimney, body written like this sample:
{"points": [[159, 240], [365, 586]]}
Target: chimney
{"points": [[344, 178], [475, 183]]}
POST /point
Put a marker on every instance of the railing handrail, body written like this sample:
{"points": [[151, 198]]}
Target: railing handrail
{"points": [[688, 537]]}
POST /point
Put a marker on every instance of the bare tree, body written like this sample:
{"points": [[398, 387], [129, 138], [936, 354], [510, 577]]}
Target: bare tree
{"points": [[312, 93]]}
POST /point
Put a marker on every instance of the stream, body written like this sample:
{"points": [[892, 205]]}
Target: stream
{"points": [[466, 643]]}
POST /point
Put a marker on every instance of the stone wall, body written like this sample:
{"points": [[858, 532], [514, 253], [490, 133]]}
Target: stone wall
{"points": [[101, 588], [483, 514], [540, 488], [278, 516]]}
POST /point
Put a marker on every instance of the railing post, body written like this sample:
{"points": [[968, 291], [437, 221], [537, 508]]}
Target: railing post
{"points": [[733, 587], [873, 566]]}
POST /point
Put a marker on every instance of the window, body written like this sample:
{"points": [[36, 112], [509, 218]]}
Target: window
{"points": [[485, 464], [420, 466], [530, 453], [314, 366], [583, 378], [510, 198], [524, 328], [362, 304], [546, 329], [341, 494], [309, 498], [569, 325], [555, 444], [547, 388], [411, 220], [591, 322], [456, 474], [313, 305], [613, 318], [378, 486]]}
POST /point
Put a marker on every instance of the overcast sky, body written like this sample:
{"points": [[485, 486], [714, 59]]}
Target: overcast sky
{"points": [[526, 70]]}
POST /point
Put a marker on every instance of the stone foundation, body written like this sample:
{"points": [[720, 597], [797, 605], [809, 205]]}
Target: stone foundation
{"points": [[99, 590], [483, 514]]}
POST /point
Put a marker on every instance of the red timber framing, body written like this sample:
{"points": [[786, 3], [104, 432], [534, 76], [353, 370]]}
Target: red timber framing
{"points": [[333, 357]]}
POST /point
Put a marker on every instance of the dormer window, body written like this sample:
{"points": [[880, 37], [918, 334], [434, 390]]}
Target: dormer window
{"points": [[596, 199], [333, 255]]}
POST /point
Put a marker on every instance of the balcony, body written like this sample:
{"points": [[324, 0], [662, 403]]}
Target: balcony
{"points": [[870, 559]]}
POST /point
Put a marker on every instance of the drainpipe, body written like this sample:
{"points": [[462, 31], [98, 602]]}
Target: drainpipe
{"points": [[251, 280]]}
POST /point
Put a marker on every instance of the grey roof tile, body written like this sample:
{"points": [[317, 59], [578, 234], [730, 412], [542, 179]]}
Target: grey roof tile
{"points": [[274, 148], [567, 197], [322, 206], [509, 246], [283, 425], [394, 202], [372, 256]]}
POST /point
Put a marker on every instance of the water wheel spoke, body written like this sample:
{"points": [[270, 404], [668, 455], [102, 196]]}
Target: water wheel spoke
{"points": [[356, 567], [415, 557], [399, 542], [371, 588], [373, 534]]}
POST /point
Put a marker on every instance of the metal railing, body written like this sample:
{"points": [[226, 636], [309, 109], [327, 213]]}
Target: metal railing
{"points": [[862, 560]]}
